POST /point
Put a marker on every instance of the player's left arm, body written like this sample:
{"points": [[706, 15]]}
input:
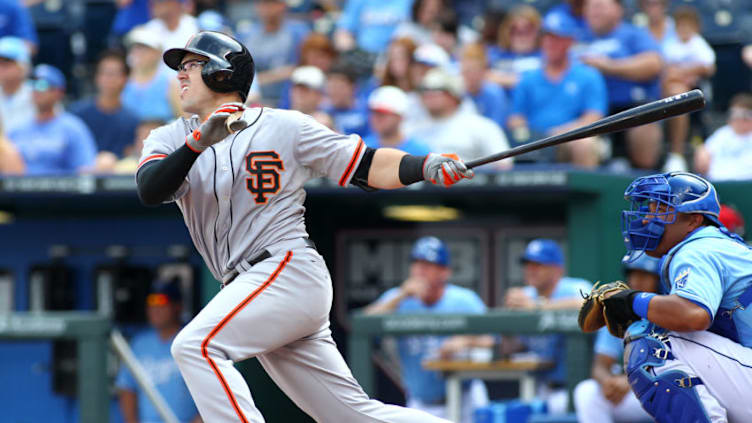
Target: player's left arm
{"points": [[390, 168]]}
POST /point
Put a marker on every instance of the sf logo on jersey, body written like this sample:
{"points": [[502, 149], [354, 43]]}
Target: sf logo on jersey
{"points": [[264, 167]]}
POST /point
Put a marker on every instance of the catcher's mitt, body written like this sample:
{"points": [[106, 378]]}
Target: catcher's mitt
{"points": [[592, 315]]}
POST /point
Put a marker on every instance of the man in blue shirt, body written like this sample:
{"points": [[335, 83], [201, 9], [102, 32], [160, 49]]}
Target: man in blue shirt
{"points": [[56, 141], [561, 95], [152, 349], [426, 291], [113, 126], [489, 99], [626, 55], [698, 330], [547, 288], [607, 397], [387, 105], [348, 110], [369, 24]]}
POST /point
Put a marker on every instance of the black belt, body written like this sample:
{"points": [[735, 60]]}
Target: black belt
{"points": [[266, 254]]}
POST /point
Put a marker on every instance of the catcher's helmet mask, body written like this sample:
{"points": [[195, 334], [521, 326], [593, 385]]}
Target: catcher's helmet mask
{"points": [[672, 193], [230, 66]]}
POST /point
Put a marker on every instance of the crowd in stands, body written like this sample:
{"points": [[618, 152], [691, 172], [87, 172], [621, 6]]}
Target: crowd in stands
{"points": [[470, 78]]}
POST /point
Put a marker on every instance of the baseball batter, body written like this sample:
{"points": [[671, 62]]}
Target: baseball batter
{"points": [[691, 359], [241, 195]]}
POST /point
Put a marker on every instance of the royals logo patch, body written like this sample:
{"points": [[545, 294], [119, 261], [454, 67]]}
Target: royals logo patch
{"points": [[681, 279]]}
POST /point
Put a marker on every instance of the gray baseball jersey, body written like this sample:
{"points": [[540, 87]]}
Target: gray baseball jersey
{"points": [[246, 193], [241, 196]]}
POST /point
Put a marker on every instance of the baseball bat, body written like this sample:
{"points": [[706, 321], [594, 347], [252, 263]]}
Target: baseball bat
{"points": [[647, 113]]}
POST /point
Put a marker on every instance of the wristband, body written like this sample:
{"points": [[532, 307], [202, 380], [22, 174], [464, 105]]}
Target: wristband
{"points": [[411, 169], [640, 303]]}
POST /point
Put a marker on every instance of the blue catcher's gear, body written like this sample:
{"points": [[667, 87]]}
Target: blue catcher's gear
{"points": [[432, 250], [667, 194], [637, 260], [667, 397]]}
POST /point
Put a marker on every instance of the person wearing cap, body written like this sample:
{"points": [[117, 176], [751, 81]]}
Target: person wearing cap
{"points": [[349, 110], [151, 347], [607, 396], [426, 290], [56, 141], [386, 106], [113, 126], [451, 127], [560, 96], [307, 92], [276, 41], [16, 105], [732, 219], [151, 93], [547, 288]]}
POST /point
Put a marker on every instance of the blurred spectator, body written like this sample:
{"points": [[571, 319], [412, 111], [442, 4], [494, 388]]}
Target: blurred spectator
{"points": [[349, 111], [518, 50], [15, 21], [423, 17], [607, 397], [113, 126], [628, 58], [130, 14], [645, 146], [170, 23], [727, 154], [399, 59], [16, 106], [445, 36], [275, 42], [489, 99], [369, 24], [425, 58], [55, 141], [11, 162], [572, 9], [547, 288], [307, 92], [732, 219], [317, 50], [747, 55], [132, 153], [426, 290], [561, 96], [689, 62], [212, 20], [453, 130], [386, 107], [151, 348], [150, 93], [660, 25]]}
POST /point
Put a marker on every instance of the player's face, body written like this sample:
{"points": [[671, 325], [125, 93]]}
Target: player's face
{"points": [[194, 94], [541, 276], [434, 274], [674, 232]]}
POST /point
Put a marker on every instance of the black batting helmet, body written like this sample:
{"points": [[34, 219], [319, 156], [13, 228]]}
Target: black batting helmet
{"points": [[230, 68]]}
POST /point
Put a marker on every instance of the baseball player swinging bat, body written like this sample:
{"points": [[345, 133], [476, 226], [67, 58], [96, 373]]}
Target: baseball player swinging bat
{"points": [[647, 113]]}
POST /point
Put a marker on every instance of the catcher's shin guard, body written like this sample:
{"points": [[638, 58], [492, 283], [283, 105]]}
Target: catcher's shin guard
{"points": [[670, 396]]}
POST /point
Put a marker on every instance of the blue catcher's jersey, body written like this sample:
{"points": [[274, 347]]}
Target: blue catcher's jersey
{"points": [[714, 271]]}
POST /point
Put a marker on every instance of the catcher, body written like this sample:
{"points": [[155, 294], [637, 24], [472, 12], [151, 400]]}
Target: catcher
{"points": [[687, 349]]}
